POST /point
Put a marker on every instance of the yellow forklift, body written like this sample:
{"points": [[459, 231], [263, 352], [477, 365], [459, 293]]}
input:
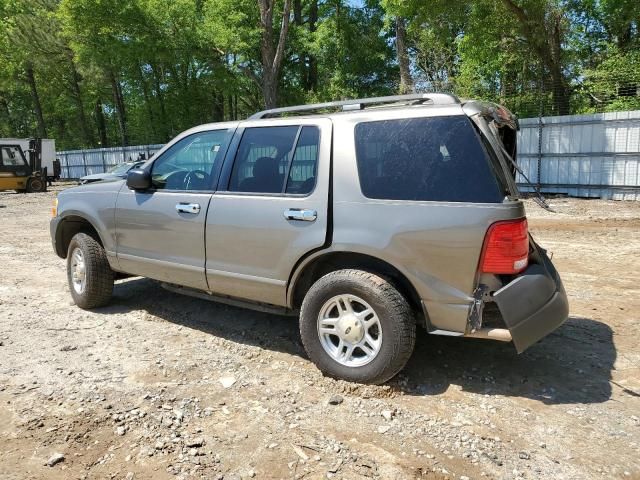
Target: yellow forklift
{"points": [[16, 173]]}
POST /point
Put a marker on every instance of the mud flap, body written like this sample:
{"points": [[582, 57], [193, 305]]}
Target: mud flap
{"points": [[534, 304]]}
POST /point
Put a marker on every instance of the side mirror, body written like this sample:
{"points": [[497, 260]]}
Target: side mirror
{"points": [[138, 179]]}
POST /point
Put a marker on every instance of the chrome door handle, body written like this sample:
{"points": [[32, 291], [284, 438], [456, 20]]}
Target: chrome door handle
{"points": [[188, 208], [300, 214]]}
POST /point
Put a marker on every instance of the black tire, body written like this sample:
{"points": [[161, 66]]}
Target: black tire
{"points": [[36, 184], [98, 275], [395, 315]]}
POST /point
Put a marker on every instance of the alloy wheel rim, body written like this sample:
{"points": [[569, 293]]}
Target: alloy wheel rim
{"points": [[78, 271], [349, 330]]}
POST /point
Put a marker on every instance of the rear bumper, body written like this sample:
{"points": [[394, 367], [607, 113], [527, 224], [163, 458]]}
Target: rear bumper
{"points": [[534, 304]]}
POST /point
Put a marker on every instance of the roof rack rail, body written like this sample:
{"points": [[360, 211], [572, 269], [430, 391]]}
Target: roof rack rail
{"points": [[361, 103]]}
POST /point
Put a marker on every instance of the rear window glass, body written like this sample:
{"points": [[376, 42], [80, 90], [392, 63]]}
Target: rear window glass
{"points": [[424, 159]]}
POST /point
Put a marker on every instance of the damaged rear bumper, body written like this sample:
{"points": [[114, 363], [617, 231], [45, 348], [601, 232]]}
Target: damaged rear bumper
{"points": [[532, 305]]}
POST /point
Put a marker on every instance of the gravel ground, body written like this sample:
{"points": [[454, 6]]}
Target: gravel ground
{"points": [[158, 385]]}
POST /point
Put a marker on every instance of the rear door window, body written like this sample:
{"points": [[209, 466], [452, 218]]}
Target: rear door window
{"points": [[424, 159], [302, 174], [276, 160]]}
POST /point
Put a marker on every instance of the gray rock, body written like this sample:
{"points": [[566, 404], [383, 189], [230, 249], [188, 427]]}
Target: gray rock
{"points": [[55, 459], [336, 400], [194, 442]]}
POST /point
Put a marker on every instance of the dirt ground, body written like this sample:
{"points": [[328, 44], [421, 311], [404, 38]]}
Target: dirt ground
{"points": [[158, 385]]}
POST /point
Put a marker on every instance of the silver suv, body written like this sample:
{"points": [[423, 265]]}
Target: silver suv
{"points": [[364, 217]]}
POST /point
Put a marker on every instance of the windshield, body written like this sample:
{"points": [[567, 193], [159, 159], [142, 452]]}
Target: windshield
{"points": [[12, 156]]}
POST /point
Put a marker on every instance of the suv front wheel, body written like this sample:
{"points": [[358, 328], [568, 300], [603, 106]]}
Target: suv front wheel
{"points": [[88, 272], [355, 325]]}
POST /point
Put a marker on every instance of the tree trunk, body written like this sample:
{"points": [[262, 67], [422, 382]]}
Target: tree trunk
{"points": [[4, 107], [218, 107], [35, 98], [272, 54], [302, 55], [235, 107], [147, 102], [548, 47], [101, 124], [312, 74], [230, 115], [118, 100], [406, 81], [297, 12], [89, 140], [561, 92], [160, 96]]}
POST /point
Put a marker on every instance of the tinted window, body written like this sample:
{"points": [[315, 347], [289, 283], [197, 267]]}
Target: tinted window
{"points": [[191, 163], [437, 159], [302, 175], [268, 155]]}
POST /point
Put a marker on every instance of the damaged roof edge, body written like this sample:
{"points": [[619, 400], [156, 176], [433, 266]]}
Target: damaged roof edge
{"points": [[498, 113]]}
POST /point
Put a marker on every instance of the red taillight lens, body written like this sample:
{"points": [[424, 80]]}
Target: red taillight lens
{"points": [[506, 247]]}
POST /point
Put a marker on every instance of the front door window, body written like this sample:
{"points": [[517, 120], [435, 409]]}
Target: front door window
{"points": [[192, 163]]}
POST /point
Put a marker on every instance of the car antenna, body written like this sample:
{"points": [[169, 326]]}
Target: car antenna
{"points": [[539, 198]]}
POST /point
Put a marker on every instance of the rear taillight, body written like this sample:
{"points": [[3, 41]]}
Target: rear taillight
{"points": [[506, 247]]}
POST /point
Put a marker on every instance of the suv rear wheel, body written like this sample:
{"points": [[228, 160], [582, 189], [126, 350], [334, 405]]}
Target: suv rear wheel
{"points": [[88, 272], [355, 325]]}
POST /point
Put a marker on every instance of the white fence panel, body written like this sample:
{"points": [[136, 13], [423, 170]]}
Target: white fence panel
{"points": [[594, 155], [77, 163]]}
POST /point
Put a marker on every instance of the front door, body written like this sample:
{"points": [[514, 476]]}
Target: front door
{"points": [[271, 208], [160, 232]]}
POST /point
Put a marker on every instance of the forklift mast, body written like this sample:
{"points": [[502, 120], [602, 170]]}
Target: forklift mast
{"points": [[35, 158], [35, 154]]}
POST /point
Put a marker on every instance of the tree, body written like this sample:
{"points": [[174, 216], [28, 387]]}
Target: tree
{"points": [[406, 81], [272, 50], [544, 23]]}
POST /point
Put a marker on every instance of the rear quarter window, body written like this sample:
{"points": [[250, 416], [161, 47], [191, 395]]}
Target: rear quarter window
{"points": [[424, 159]]}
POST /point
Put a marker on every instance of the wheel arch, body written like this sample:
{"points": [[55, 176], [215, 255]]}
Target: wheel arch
{"points": [[316, 266], [70, 225]]}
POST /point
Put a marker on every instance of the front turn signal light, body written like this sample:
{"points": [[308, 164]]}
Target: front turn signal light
{"points": [[54, 208]]}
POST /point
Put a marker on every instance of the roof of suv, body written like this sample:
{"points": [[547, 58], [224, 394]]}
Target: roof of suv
{"points": [[394, 101], [446, 102]]}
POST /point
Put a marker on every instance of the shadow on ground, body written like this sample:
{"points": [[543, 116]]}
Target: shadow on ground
{"points": [[572, 365]]}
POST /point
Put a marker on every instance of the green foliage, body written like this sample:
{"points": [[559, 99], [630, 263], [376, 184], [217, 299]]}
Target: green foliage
{"points": [[614, 84], [353, 52], [106, 72]]}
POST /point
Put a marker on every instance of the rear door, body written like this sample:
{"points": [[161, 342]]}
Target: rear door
{"points": [[160, 231], [271, 208]]}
